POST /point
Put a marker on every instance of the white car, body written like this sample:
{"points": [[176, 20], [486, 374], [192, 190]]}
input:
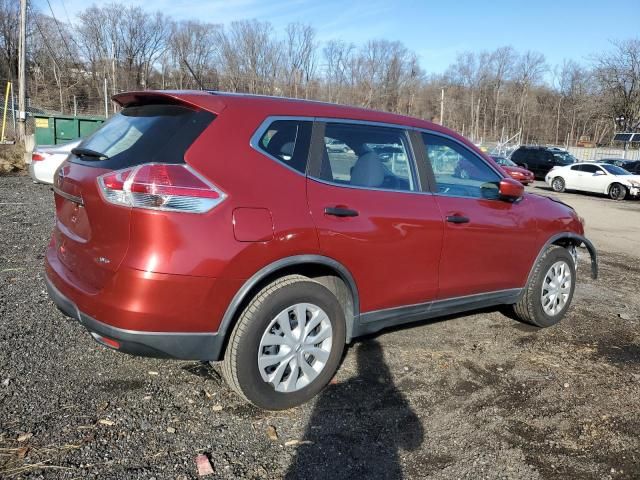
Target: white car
{"points": [[45, 160], [594, 177]]}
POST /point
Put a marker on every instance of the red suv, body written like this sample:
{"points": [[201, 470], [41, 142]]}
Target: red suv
{"points": [[207, 226]]}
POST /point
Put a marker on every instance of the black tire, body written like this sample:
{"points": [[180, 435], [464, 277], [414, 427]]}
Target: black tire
{"points": [[240, 364], [617, 191], [529, 308], [558, 185]]}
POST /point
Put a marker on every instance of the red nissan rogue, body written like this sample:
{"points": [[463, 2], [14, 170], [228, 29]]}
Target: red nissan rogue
{"points": [[209, 226]]}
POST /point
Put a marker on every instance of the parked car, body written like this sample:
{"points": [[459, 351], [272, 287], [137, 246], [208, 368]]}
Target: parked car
{"points": [[45, 159], [540, 160], [520, 174], [207, 226], [336, 146], [632, 166], [596, 178]]}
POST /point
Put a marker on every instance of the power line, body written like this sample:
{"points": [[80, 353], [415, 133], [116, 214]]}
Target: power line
{"points": [[64, 7], [64, 40], [46, 43]]}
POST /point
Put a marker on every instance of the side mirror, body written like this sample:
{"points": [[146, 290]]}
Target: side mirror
{"points": [[598, 173], [510, 189]]}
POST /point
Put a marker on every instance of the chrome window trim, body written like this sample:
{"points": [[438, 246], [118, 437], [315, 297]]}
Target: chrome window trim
{"points": [[68, 196], [254, 142], [370, 189]]}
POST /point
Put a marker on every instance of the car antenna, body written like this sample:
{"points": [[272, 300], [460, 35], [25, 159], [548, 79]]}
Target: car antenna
{"points": [[195, 77]]}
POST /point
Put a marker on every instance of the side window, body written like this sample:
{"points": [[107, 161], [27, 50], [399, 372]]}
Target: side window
{"points": [[458, 171], [590, 168], [367, 156], [288, 141], [577, 167]]}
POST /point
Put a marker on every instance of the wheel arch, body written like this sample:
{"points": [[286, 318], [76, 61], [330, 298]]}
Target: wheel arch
{"points": [[566, 239], [612, 183], [325, 270]]}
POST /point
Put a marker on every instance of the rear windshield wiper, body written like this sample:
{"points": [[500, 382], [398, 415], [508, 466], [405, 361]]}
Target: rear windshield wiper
{"points": [[87, 152]]}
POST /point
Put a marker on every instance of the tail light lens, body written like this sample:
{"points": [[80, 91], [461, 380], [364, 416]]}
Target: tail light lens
{"points": [[39, 156], [158, 186]]}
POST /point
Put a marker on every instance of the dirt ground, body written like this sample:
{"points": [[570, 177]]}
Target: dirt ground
{"points": [[472, 396]]}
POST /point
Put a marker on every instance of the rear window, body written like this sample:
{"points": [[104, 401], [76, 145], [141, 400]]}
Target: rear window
{"points": [[144, 134]]}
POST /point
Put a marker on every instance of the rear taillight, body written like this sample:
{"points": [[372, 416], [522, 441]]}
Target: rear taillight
{"points": [[159, 186], [38, 156]]}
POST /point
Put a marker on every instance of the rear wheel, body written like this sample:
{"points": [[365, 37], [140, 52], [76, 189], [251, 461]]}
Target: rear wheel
{"points": [[286, 345], [558, 185], [617, 191], [548, 294]]}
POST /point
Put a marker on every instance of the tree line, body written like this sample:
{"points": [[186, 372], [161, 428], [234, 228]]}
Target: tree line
{"points": [[488, 95]]}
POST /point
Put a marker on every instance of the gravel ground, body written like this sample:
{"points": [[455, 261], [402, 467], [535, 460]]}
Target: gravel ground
{"points": [[475, 396]]}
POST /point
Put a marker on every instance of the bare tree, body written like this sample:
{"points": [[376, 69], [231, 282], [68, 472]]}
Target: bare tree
{"points": [[9, 25], [300, 56], [618, 75]]}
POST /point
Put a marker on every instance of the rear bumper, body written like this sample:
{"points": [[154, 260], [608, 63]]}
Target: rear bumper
{"points": [[41, 172], [184, 346]]}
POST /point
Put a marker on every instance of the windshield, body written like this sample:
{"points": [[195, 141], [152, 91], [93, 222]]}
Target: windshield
{"points": [[504, 161], [565, 158], [614, 170]]}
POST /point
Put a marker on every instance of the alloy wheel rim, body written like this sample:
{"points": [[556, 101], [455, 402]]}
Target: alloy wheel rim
{"points": [[615, 190], [556, 288], [557, 184], [295, 347]]}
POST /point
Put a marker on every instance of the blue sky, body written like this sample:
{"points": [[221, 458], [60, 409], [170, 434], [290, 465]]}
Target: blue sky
{"points": [[435, 30]]}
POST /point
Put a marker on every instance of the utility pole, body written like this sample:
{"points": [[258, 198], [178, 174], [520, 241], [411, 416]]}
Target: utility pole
{"points": [[442, 107], [106, 99], [22, 77]]}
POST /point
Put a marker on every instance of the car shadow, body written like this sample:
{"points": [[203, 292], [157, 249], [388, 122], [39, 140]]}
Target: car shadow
{"points": [[358, 427]]}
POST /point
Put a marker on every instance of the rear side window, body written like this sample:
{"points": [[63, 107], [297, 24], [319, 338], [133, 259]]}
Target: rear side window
{"points": [[591, 168], [144, 134], [288, 142]]}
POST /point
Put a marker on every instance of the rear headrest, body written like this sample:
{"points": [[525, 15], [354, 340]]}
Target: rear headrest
{"points": [[287, 149], [368, 171]]}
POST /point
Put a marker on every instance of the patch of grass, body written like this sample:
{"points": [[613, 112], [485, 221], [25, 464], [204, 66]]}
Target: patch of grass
{"points": [[11, 159]]}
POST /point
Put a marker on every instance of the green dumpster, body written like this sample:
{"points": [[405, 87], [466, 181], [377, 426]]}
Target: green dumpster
{"points": [[55, 129]]}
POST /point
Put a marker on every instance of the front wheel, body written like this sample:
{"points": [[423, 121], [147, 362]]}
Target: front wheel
{"points": [[286, 345], [617, 191], [558, 185], [549, 291]]}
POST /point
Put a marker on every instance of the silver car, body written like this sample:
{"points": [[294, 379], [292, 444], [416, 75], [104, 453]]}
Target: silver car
{"points": [[45, 159]]}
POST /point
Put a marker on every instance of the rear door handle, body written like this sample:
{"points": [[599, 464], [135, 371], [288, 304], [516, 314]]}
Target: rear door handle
{"points": [[457, 219], [340, 212]]}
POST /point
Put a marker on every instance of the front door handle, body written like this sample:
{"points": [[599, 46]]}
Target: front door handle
{"points": [[457, 219], [340, 212]]}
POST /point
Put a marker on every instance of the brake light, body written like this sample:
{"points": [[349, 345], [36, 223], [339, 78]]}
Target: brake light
{"points": [[159, 186], [39, 156]]}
